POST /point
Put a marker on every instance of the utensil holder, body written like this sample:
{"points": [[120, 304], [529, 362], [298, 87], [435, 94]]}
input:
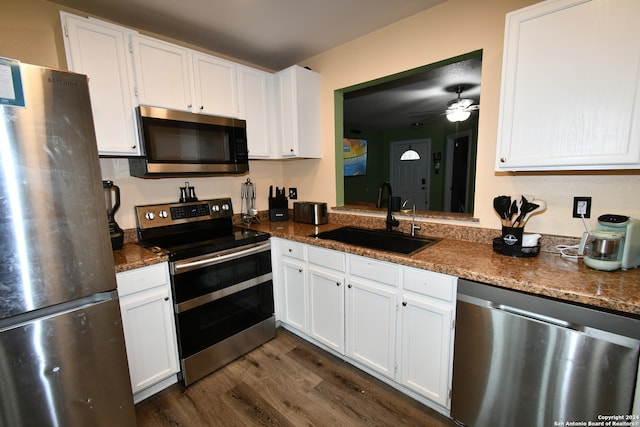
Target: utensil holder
{"points": [[512, 236], [278, 209], [510, 243]]}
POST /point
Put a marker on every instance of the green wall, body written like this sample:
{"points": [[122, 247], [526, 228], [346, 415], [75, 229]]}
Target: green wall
{"points": [[365, 188]]}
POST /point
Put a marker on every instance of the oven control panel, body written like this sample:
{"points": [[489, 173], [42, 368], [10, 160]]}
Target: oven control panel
{"points": [[162, 215]]}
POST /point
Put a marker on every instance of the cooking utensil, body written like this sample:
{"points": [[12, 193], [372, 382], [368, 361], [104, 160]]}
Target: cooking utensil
{"points": [[502, 206], [542, 205], [513, 211], [525, 208]]}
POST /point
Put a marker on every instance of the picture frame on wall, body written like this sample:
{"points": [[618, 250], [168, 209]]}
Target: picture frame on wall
{"points": [[354, 156]]}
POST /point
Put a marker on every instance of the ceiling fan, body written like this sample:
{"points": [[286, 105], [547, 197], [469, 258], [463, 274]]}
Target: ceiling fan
{"points": [[460, 109]]}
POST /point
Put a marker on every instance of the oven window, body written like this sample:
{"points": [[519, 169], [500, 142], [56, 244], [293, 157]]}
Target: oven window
{"points": [[208, 324], [203, 281]]}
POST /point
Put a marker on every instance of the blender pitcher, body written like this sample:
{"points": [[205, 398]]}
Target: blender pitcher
{"points": [[112, 203], [601, 249]]}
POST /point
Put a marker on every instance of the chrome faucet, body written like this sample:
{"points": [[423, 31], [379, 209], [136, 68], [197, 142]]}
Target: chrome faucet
{"points": [[414, 226], [391, 221]]}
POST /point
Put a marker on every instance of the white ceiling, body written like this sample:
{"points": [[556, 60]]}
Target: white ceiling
{"points": [[269, 33], [275, 34]]}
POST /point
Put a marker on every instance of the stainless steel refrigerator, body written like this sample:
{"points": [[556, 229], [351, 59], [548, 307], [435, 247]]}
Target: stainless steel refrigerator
{"points": [[62, 354]]}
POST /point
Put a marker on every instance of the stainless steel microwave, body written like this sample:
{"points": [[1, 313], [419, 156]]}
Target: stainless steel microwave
{"points": [[178, 143]]}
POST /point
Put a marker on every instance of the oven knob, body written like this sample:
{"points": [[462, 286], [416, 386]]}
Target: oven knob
{"points": [[149, 215], [215, 208], [162, 214], [225, 207]]}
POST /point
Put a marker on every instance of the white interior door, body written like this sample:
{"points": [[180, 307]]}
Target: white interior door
{"points": [[409, 171]]}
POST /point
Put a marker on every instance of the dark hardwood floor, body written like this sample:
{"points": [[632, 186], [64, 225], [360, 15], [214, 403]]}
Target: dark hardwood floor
{"points": [[286, 382]]}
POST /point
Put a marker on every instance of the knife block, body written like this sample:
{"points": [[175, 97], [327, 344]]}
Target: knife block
{"points": [[278, 209]]}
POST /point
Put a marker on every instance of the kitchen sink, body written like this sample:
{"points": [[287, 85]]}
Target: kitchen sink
{"points": [[389, 241]]}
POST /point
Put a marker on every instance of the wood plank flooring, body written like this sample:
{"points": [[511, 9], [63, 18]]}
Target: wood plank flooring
{"points": [[286, 382]]}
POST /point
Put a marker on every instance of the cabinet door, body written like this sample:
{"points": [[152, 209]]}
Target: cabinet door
{"points": [[326, 308], [149, 333], [100, 50], [163, 73], [294, 294], [254, 87], [299, 107], [371, 325], [426, 348], [215, 83], [571, 87]]}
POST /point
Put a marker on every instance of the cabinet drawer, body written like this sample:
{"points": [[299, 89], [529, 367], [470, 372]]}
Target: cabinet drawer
{"points": [[326, 258], [292, 249], [373, 270], [141, 279], [431, 284]]}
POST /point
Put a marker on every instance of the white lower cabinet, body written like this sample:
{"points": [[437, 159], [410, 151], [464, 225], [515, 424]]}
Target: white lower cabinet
{"points": [[326, 297], [149, 330], [326, 308], [395, 321], [371, 314], [294, 294], [427, 324]]}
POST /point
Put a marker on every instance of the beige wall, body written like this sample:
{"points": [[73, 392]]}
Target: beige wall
{"points": [[453, 28], [31, 33]]}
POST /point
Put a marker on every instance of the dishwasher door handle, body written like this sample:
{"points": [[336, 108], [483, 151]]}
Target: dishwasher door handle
{"points": [[536, 316]]}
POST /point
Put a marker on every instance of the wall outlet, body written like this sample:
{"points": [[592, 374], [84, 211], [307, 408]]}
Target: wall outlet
{"points": [[293, 193], [582, 207]]}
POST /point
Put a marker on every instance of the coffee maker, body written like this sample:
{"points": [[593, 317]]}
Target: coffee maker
{"points": [[614, 244], [112, 202]]}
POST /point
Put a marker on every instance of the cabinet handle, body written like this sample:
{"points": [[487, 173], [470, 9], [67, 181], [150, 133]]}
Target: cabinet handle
{"points": [[404, 303], [166, 298], [201, 107], [189, 106], [290, 250], [133, 147], [299, 270], [503, 159], [349, 286], [337, 283]]}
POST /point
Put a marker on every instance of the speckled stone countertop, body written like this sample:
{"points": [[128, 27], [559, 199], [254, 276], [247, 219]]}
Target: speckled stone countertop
{"points": [[133, 256], [547, 274]]}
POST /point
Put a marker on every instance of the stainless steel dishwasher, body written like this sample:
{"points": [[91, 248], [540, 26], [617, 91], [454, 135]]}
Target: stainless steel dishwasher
{"points": [[526, 360]]}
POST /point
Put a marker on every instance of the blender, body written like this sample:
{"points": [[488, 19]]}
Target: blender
{"points": [[614, 244], [112, 202]]}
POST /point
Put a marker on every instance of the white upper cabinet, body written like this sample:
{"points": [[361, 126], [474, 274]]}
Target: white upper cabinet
{"points": [[101, 51], [163, 73], [175, 77], [255, 90], [216, 89], [298, 99], [571, 87]]}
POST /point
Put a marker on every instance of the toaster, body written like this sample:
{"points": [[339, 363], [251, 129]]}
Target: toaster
{"points": [[310, 213]]}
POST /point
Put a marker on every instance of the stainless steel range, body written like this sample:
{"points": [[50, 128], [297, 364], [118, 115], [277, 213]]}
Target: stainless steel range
{"points": [[220, 277]]}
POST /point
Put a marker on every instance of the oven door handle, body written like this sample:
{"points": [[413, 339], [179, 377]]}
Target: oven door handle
{"points": [[179, 267]]}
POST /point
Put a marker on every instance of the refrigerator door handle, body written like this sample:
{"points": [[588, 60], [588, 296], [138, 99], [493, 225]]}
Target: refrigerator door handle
{"points": [[55, 310]]}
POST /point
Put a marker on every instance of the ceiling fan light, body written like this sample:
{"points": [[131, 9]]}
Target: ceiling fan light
{"points": [[458, 115]]}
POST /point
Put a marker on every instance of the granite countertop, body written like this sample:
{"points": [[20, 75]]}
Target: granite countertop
{"points": [[133, 256], [548, 274]]}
